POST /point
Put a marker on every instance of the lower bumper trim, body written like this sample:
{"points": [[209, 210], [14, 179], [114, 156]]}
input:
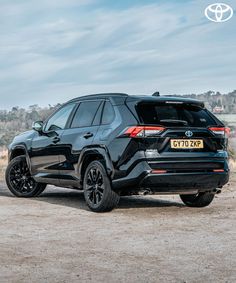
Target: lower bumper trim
{"points": [[185, 180]]}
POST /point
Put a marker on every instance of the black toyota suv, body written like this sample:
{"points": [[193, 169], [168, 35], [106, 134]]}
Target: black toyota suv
{"points": [[109, 145]]}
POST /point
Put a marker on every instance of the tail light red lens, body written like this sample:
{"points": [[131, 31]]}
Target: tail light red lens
{"points": [[220, 131], [143, 131], [218, 170]]}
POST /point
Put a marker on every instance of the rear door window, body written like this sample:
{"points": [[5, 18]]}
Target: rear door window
{"points": [[108, 114], [174, 115], [85, 114]]}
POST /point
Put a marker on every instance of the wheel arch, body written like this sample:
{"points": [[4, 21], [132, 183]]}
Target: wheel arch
{"points": [[18, 151], [91, 154]]}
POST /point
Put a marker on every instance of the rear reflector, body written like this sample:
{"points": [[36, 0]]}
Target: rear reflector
{"points": [[220, 130], [143, 131], [158, 171], [218, 170]]}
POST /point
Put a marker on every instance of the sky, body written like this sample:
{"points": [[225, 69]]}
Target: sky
{"points": [[52, 51]]}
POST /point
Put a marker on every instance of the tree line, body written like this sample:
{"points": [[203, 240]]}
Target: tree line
{"points": [[212, 99], [18, 120]]}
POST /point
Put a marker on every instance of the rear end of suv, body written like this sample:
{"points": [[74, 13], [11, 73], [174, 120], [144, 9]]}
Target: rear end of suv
{"points": [[111, 145], [183, 147]]}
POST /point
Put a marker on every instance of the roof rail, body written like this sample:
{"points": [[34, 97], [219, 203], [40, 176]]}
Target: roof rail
{"points": [[100, 95], [105, 94]]}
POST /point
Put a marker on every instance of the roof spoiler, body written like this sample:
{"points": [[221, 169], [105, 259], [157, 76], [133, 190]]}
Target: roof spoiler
{"points": [[195, 103]]}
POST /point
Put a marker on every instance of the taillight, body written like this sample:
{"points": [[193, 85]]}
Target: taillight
{"points": [[218, 170], [143, 131], [220, 130]]}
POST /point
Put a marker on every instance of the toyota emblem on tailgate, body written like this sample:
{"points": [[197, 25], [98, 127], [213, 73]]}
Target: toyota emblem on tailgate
{"points": [[189, 134]]}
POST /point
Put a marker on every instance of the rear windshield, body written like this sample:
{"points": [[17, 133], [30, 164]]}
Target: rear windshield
{"points": [[174, 115]]}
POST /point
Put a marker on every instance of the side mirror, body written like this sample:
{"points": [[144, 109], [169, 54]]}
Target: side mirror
{"points": [[38, 126]]}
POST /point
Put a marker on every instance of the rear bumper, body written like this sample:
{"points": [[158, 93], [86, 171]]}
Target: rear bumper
{"points": [[142, 177], [180, 181]]}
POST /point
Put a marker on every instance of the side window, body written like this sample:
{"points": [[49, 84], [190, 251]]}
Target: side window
{"points": [[108, 114], [85, 114], [59, 119], [98, 116]]}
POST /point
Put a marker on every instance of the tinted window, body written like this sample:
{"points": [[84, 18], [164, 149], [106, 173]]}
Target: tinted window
{"points": [[108, 114], [59, 119], [85, 114], [98, 116], [174, 115]]}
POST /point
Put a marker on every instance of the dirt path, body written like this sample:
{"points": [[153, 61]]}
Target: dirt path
{"points": [[54, 238]]}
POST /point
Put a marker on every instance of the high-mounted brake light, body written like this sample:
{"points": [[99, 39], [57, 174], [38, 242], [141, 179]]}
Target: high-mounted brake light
{"points": [[143, 131], [220, 130]]}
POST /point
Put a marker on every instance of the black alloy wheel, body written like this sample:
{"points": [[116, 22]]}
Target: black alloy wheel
{"points": [[95, 186], [98, 193], [20, 181]]}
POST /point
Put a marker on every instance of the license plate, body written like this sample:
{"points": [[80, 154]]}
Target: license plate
{"points": [[186, 144]]}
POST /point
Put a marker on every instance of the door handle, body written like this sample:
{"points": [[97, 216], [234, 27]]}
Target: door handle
{"points": [[56, 140], [88, 135]]}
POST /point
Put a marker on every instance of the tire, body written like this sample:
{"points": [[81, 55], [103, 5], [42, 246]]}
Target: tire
{"points": [[198, 200], [19, 180], [98, 192]]}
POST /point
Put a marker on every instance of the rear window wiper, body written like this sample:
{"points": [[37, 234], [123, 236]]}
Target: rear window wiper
{"points": [[172, 121]]}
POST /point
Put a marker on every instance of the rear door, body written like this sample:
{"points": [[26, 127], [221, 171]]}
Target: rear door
{"points": [[78, 135]]}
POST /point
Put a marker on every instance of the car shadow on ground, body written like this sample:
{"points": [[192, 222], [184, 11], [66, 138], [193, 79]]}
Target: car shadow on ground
{"points": [[75, 199]]}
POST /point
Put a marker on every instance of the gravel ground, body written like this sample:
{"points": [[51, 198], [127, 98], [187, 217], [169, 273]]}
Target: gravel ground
{"points": [[55, 238]]}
